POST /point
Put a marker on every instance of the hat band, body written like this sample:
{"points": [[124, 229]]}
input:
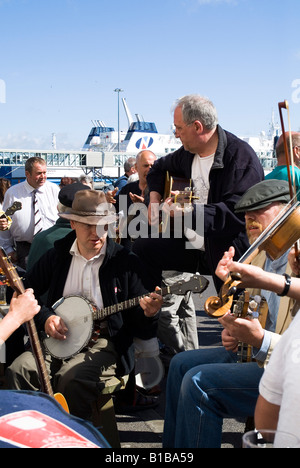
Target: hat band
{"points": [[89, 213]]}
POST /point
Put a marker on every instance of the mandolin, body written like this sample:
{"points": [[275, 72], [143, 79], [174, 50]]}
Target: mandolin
{"points": [[16, 284], [246, 306]]}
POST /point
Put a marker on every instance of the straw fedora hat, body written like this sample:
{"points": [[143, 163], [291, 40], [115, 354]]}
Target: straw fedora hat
{"points": [[90, 207]]}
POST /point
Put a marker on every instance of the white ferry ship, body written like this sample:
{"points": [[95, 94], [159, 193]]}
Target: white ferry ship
{"points": [[144, 135], [106, 149], [140, 135], [264, 144]]}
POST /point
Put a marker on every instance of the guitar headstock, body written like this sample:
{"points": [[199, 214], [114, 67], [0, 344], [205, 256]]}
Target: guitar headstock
{"points": [[10, 272], [196, 284]]}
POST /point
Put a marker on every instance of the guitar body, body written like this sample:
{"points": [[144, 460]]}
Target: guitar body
{"points": [[184, 196], [62, 401], [173, 183]]}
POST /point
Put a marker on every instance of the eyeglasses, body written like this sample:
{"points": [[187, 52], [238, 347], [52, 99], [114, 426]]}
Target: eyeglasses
{"points": [[179, 129]]}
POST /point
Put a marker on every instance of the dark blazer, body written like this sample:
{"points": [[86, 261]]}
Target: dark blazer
{"points": [[119, 278]]}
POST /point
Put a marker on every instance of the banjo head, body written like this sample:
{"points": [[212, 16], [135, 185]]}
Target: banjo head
{"points": [[77, 314]]}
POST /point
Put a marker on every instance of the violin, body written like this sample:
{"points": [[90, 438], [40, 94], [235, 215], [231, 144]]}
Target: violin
{"points": [[275, 241], [277, 238]]}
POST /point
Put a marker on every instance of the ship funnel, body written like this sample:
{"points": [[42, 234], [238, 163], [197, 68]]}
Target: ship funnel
{"points": [[127, 111]]}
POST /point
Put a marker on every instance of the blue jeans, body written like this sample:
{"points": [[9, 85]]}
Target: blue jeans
{"points": [[203, 387]]}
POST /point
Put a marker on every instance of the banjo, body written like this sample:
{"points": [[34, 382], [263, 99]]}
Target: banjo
{"points": [[83, 318]]}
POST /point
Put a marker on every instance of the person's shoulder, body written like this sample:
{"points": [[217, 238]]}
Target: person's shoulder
{"points": [[15, 188], [233, 139], [15, 192], [130, 187]]}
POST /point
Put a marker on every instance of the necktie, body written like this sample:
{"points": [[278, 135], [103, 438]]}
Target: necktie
{"points": [[37, 215]]}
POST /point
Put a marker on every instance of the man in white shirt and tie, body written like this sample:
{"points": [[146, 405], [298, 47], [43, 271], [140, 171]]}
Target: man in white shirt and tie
{"points": [[37, 195]]}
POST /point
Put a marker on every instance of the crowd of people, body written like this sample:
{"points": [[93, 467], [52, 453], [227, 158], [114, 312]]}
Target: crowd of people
{"points": [[108, 247]]}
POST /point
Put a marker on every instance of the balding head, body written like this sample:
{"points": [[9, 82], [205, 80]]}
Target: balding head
{"points": [[280, 151]]}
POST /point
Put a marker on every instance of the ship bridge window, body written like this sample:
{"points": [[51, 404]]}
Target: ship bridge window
{"points": [[144, 127], [96, 131]]}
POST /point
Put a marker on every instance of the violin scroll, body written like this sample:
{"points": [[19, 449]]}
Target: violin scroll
{"points": [[217, 306]]}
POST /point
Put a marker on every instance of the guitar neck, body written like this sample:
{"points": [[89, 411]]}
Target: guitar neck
{"points": [[17, 285], [39, 358]]}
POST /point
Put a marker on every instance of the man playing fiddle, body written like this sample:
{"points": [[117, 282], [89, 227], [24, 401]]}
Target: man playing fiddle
{"points": [[206, 385]]}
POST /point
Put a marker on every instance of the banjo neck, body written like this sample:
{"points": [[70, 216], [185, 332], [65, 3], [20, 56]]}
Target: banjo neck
{"points": [[101, 314]]}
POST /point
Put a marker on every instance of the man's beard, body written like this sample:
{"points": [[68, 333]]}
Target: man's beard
{"points": [[253, 235]]}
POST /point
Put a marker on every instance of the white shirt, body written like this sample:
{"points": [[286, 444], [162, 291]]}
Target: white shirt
{"points": [[23, 221], [83, 276], [200, 176], [280, 382]]}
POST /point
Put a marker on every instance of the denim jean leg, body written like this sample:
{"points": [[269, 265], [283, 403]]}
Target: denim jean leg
{"points": [[180, 365], [209, 393]]}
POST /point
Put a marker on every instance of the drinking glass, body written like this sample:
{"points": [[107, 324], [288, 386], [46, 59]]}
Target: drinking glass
{"points": [[266, 438]]}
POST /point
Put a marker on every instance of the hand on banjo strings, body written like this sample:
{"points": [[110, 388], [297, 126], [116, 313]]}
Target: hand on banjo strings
{"points": [[56, 328]]}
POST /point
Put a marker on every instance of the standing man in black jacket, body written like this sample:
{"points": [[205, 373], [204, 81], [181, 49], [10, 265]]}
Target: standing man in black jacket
{"points": [[87, 262], [222, 168]]}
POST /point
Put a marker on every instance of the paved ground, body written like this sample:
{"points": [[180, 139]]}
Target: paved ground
{"points": [[144, 429]]}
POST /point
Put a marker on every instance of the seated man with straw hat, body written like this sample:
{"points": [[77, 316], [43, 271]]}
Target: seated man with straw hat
{"points": [[88, 263]]}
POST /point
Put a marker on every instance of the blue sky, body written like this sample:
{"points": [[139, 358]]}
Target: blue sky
{"points": [[60, 61]]}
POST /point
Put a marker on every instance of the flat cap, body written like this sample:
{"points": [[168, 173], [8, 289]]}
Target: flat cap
{"points": [[67, 193], [263, 194]]}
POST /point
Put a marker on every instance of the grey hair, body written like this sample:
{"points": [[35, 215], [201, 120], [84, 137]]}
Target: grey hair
{"points": [[196, 107], [129, 163]]}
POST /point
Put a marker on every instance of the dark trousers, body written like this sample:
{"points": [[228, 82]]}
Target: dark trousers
{"points": [[168, 254], [22, 253]]}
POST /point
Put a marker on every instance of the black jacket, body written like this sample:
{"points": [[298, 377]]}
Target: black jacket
{"points": [[119, 278], [235, 169]]}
